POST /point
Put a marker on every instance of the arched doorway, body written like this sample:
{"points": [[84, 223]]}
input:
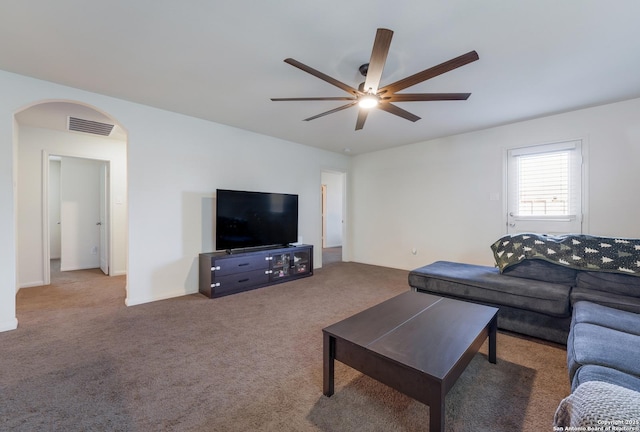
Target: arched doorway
{"points": [[83, 136]]}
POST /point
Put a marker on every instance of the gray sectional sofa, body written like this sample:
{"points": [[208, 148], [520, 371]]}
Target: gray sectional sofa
{"points": [[539, 308], [603, 358], [578, 290], [538, 278]]}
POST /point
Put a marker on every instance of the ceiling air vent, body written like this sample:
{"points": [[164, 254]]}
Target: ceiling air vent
{"points": [[89, 126]]}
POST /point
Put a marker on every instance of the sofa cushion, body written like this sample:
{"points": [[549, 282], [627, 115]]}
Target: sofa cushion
{"points": [[593, 313], [543, 271], [610, 282], [486, 284], [592, 344], [616, 301], [601, 373]]}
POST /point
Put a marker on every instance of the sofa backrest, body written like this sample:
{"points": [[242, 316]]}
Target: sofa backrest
{"points": [[609, 282], [541, 270]]}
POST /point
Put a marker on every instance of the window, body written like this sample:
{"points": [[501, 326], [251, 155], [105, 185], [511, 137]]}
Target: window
{"points": [[544, 188]]}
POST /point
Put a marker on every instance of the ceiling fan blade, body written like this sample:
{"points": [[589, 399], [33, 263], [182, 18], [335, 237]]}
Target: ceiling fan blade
{"points": [[314, 99], [393, 109], [418, 97], [340, 108], [362, 117], [378, 58], [322, 76], [426, 74]]}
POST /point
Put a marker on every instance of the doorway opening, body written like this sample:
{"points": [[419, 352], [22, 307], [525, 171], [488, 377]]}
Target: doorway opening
{"points": [[71, 192], [333, 216], [76, 216]]}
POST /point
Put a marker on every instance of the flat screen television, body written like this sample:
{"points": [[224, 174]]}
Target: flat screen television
{"points": [[254, 219]]}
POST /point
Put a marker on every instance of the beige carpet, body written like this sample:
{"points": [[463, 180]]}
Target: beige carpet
{"points": [[80, 360]]}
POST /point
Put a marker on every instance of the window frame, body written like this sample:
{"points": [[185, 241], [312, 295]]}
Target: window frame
{"points": [[581, 213]]}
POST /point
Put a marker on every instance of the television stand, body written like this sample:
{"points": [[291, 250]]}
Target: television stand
{"points": [[222, 273]]}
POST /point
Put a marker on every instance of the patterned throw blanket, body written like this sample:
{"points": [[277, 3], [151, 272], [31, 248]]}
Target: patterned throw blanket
{"points": [[581, 252], [597, 405]]}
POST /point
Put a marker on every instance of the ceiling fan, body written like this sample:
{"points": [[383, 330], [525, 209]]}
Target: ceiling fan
{"points": [[369, 95]]}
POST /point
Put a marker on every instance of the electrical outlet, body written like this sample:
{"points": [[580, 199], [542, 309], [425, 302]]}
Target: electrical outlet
{"points": [[94, 250]]}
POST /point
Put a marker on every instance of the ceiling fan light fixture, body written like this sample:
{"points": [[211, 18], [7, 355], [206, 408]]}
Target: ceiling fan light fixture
{"points": [[368, 101]]}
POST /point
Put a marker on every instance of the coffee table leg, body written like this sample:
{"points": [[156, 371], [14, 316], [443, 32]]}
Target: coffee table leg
{"points": [[493, 326], [436, 416], [328, 357]]}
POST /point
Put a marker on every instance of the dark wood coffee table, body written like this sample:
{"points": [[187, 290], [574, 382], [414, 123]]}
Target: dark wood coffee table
{"points": [[417, 343]]}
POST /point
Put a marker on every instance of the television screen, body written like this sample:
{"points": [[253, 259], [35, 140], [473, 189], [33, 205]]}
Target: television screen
{"points": [[251, 219]]}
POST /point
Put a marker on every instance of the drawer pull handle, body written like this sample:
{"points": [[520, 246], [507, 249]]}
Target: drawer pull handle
{"points": [[243, 280], [243, 264]]}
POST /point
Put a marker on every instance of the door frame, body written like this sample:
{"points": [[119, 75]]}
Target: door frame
{"points": [[46, 243], [344, 216], [105, 178]]}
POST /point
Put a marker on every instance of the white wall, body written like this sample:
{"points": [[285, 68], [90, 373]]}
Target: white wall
{"points": [[175, 163], [334, 206], [8, 217], [33, 145], [188, 160], [435, 196]]}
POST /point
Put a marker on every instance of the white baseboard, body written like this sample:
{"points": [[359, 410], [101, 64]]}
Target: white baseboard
{"points": [[77, 268], [31, 284], [133, 302]]}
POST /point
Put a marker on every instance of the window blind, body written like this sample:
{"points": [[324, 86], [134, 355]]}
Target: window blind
{"points": [[543, 184], [544, 181]]}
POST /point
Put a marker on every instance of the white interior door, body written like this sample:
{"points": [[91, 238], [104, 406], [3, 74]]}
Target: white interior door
{"points": [[324, 215], [80, 213], [104, 218], [54, 208]]}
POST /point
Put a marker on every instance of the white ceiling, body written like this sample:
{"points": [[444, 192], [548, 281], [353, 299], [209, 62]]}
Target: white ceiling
{"points": [[223, 60]]}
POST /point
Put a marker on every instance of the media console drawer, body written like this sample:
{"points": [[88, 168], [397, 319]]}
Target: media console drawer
{"points": [[240, 281], [225, 266]]}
